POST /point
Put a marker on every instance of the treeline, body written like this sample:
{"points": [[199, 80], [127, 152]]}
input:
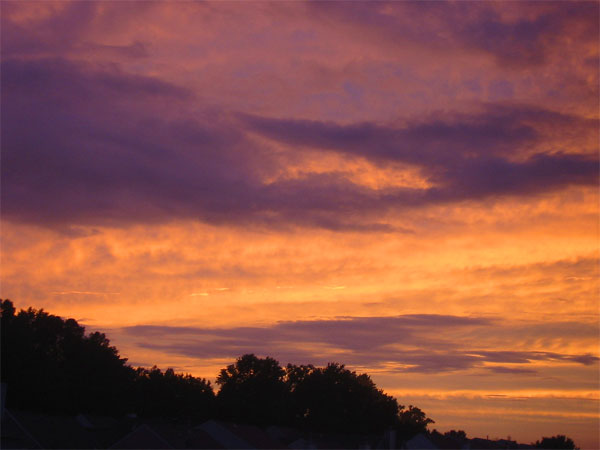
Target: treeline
{"points": [[51, 365]]}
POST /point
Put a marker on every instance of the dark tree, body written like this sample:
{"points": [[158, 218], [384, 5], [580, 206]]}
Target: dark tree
{"points": [[252, 391], [559, 442], [459, 435], [50, 365], [412, 421], [172, 395], [336, 399]]}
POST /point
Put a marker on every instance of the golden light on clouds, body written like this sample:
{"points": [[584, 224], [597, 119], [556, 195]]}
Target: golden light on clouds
{"points": [[416, 198]]}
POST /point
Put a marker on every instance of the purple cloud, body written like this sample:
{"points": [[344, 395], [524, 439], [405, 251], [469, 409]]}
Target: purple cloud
{"points": [[435, 142], [410, 343], [527, 41], [67, 31], [469, 156], [88, 144], [82, 145], [511, 370]]}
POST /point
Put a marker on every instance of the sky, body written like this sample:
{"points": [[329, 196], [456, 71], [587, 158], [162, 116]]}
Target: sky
{"points": [[408, 188]]}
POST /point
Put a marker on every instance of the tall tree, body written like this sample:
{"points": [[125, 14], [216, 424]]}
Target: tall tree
{"points": [[334, 398], [252, 391], [173, 395], [412, 421], [50, 364]]}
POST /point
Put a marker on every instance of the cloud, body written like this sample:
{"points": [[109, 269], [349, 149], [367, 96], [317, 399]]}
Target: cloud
{"points": [[58, 31], [92, 142], [496, 130], [420, 343], [68, 28], [524, 357], [511, 370], [526, 40], [467, 156], [114, 148], [71, 82], [105, 148], [432, 142]]}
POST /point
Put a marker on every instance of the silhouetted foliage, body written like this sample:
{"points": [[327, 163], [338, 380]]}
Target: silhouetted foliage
{"points": [[459, 435], [336, 399], [559, 442], [412, 421], [51, 365], [252, 391], [173, 395], [331, 398]]}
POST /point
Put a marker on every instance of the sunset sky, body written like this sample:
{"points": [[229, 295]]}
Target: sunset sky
{"points": [[407, 188]]}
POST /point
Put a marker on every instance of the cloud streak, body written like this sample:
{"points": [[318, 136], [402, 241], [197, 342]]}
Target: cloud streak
{"points": [[419, 343], [467, 156]]}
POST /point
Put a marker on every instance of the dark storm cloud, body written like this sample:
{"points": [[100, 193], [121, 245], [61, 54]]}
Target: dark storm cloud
{"points": [[409, 343], [89, 144]]}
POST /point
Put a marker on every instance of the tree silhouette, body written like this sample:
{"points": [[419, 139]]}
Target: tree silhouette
{"points": [[336, 399], [252, 391], [459, 435], [51, 365], [173, 395], [412, 421], [560, 442]]}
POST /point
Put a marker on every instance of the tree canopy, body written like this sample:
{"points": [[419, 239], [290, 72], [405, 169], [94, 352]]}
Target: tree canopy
{"points": [[330, 398], [49, 362], [51, 365], [253, 390], [558, 442], [337, 399]]}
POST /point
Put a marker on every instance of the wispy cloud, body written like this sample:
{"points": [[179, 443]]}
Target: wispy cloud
{"points": [[83, 293], [409, 343]]}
